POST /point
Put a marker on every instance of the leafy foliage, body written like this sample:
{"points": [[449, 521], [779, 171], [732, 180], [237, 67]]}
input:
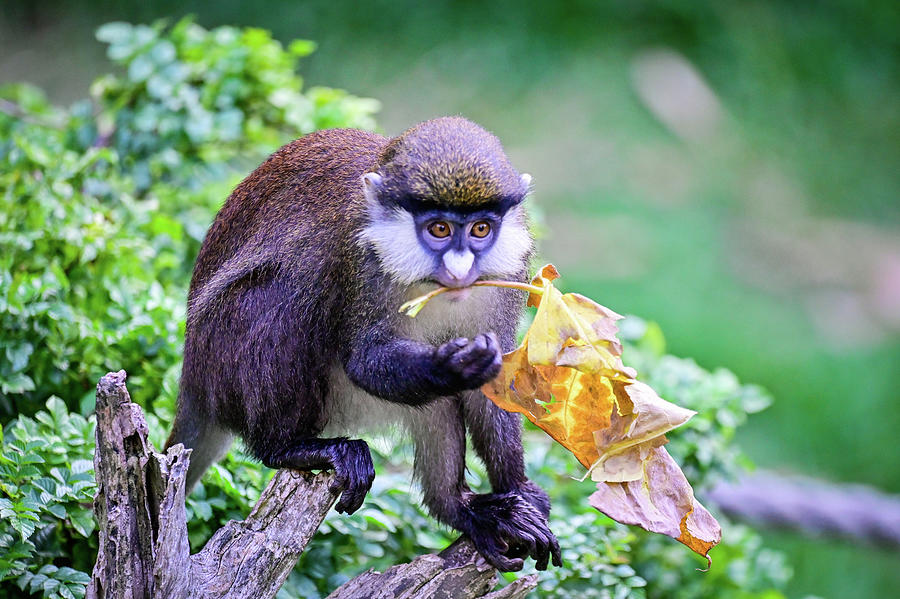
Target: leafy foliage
{"points": [[46, 492], [194, 99], [102, 209]]}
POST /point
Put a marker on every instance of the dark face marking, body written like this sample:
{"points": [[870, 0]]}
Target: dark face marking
{"points": [[460, 234], [440, 230]]}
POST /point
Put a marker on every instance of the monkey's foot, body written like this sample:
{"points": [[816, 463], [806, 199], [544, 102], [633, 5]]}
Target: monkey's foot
{"points": [[350, 460], [505, 528]]}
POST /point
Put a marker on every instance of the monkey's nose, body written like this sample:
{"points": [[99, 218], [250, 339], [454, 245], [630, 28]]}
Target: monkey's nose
{"points": [[458, 264]]}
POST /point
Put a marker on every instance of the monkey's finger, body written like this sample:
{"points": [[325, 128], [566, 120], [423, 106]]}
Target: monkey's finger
{"points": [[526, 546], [550, 550], [491, 342], [505, 564], [473, 355], [340, 482], [482, 367], [359, 482], [492, 364], [352, 499], [339, 485], [451, 348], [479, 347], [492, 546], [540, 562], [544, 541], [540, 552], [555, 552], [342, 506], [538, 541]]}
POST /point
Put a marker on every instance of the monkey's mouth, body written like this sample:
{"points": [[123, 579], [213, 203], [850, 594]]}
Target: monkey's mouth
{"points": [[458, 295], [453, 293]]}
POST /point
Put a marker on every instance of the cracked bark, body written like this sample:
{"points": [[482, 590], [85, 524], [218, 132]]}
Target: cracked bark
{"points": [[144, 551]]}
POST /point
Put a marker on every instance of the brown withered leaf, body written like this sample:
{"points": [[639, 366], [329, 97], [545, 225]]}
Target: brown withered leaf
{"points": [[567, 378], [638, 424], [662, 501]]}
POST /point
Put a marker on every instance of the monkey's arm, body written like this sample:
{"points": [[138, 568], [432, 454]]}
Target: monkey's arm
{"points": [[410, 372], [497, 438], [505, 527]]}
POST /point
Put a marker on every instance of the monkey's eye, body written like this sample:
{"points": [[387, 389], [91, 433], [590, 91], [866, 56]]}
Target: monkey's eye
{"points": [[439, 229], [481, 229]]}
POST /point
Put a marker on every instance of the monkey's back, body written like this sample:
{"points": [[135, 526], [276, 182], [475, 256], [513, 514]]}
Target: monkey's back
{"points": [[307, 186], [270, 284]]}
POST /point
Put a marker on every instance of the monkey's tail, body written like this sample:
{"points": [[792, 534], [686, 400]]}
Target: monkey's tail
{"points": [[209, 441]]}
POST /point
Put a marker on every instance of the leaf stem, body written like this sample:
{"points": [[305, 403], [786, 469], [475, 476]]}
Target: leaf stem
{"points": [[510, 285], [413, 306]]}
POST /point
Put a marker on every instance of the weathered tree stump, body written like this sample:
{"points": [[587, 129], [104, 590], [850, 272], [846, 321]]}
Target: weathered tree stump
{"points": [[144, 550]]}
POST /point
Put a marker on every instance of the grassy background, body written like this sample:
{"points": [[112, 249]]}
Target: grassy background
{"points": [[760, 232]]}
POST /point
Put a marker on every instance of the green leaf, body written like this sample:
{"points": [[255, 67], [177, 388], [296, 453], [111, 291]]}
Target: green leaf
{"points": [[301, 48], [24, 526], [57, 510], [58, 409], [17, 383], [6, 508], [115, 32], [18, 355]]}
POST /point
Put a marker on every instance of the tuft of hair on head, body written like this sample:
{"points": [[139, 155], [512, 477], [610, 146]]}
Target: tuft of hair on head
{"points": [[449, 162]]}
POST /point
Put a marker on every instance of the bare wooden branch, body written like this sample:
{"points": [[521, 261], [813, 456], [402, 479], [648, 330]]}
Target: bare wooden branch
{"points": [[253, 558], [458, 571], [171, 572], [144, 551], [816, 507], [125, 556]]}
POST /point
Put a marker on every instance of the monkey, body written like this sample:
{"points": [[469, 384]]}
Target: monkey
{"points": [[294, 341]]}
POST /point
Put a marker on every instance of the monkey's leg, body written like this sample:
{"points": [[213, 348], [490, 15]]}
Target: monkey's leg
{"points": [[350, 460], [504, 527]]}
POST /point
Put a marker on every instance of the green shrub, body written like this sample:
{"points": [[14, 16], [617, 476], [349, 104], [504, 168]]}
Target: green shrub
{"points": [[102, 209], [46, 490]]}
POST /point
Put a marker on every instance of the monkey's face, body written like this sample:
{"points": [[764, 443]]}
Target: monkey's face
{"points": [[455, 240], [419, 241]]}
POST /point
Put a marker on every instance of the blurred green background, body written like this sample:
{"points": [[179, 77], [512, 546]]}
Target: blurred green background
{"points": [[728, 170]]}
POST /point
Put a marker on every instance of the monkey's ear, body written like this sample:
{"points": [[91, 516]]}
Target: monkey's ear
{"points": [[526, 182], [372, 186]]}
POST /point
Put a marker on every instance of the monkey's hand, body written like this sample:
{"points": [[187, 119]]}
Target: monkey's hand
{"points": [[469, 364], [505, 528]]}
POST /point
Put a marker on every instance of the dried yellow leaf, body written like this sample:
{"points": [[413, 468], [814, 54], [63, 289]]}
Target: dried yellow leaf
{"points": [[567, 378]]}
